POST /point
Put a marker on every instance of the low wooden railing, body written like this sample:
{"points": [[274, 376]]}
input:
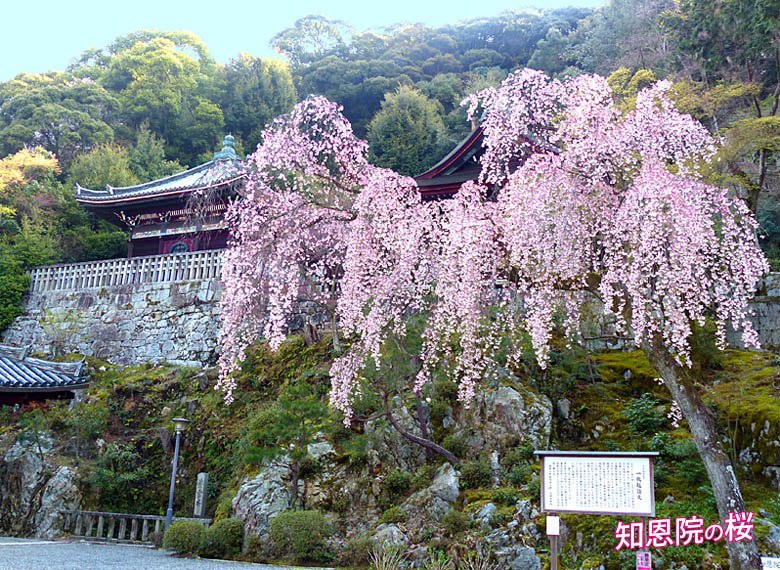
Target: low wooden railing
{"points": [[171, 267], [116, 527]]}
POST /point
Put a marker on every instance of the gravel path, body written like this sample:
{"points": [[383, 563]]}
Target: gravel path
{"points": [[30, 554]]}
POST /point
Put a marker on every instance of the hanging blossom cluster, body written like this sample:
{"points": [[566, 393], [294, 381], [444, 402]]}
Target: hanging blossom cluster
{"points": [[466, 269], [611, 204], [288, 227], [388, 273], [586, 200], [317, 222]]}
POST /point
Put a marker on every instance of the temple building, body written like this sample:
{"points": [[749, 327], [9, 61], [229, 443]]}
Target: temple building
{"points": [[185, 212], [25, 379], [445, 177], [177, 214]]}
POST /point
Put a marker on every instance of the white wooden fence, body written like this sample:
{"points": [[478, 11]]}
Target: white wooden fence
{"points": [[171, 267]]}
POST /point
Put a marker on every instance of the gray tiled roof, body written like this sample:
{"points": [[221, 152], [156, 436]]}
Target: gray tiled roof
{"points": [[209, 174], [19, 372]]}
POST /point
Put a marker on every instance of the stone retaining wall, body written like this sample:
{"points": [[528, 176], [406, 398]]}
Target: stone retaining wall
{"points": [[766, 317], [179, 321], [126, 324]]}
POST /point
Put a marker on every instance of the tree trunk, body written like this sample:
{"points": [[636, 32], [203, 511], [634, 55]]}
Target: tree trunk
{"points": [[334, 326], [744, 554], [426, 443], [310, 335], [294, 468], [421, 419]]}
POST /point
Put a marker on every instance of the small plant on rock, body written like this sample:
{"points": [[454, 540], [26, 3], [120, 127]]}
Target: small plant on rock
{"points": [[476, 474], [643, 415], [393, 515], [387, 557], [356, 552], [438, 561], [505, 496], [397, 483], [455, 522], [478, 561]]}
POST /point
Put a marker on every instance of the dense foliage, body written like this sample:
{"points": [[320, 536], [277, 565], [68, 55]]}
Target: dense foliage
{"points": [[302, 535]]}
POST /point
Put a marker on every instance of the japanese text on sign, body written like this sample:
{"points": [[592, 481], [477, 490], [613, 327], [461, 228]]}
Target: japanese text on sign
{"points": [[737, 527]]}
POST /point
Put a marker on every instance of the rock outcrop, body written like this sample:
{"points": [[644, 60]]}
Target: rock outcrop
{"points": [[504, 413], [33, 491], [263, 497]]}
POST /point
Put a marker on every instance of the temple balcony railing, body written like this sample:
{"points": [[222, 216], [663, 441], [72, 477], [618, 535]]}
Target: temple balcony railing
{"points": [[171, 267]]}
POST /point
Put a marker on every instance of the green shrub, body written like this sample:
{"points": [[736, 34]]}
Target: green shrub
{"points": [[455, 522], [223, 538], [774, 509], [388, 557], [437, 560], [356, 450], [679, 461], [184, 536], [356, 552], [504, 496], [393, 515], [13, 283], [476, 474], [121, 477], [535, 488], [439, 411], [516, 463], [225, 502], [523, 453], [301, 535], [261, 550], [397, 483], [519, 475], [643, 415], [86, 422], [423, 476], [456, 444]]}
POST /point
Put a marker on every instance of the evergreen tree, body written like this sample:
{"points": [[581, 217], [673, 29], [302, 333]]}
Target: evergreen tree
{"points": [[408, 134]]}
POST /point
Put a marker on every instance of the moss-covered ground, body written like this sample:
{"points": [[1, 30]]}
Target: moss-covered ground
{"points": [[607, 401]]}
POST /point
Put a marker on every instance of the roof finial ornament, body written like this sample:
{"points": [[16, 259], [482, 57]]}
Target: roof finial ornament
{"points": [[227, 152]]}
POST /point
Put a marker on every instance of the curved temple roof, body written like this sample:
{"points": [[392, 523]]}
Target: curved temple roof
{"points": [[21, 373], [222, 170]]}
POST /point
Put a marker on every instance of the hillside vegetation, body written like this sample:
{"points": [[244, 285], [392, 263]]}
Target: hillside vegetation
{"points": [[117, 440]]}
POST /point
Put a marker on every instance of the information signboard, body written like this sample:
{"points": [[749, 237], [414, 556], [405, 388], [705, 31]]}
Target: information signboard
{"points": [[768, 563], [601, 483], [643, 561]]}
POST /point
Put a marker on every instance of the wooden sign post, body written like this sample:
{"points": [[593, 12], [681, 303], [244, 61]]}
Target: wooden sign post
{"points": [[553, 531]]}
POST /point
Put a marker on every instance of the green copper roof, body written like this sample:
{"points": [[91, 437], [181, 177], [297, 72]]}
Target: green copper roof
{"points": [[227, 152], [224, 169]]}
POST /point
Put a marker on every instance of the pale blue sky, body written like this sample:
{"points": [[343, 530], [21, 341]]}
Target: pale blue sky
{"points": [[41, 35]]}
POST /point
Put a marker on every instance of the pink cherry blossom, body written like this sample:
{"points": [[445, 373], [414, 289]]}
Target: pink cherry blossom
{"points": [[578, 205]]}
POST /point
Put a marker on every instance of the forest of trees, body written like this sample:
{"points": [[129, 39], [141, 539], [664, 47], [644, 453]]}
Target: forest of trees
{"points": [[154, 102]]}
